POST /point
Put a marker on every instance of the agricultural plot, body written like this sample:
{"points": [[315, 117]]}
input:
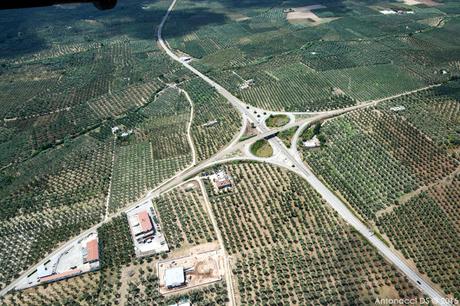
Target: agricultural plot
{"points": [[136, 171], [373, 82], [79, 290], [48, 130], [156, 150], [115, 244], [409, 146], [291, 87], [183, 217], [357, 55], [289, 247], [84, 75], [50, 198], [331, 55], [446, 196], [426, 230], [372, 158], [72, 82], [436, 112], [167, 118], [215, 123], [115, 104]]}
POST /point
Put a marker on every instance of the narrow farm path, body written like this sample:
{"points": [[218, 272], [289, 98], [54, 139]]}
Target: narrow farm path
{"points": [[228, 268], [189, 126], [295, 161], [107, 201]]}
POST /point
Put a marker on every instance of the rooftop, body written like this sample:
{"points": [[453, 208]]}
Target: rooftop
{"points": [[144, 221], [223, 183], [59, 276], [174, 277], [92, 250]]}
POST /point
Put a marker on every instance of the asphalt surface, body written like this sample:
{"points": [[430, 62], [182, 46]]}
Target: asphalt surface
{"points": [[293, 162], [327, 195]]}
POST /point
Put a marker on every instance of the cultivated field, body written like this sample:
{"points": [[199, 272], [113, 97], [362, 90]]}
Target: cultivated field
{"points": [[65, 81], [436, 112], [50, 198], [215, 123], [351, 54], [426, 230], [183, 217], [93, 115], [155, 151], [399, 180], [373, 157], [288, 247]]}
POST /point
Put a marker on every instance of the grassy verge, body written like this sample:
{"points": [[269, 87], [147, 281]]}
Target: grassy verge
{"points": [[286, 136], [262, 148], [274, 121]]}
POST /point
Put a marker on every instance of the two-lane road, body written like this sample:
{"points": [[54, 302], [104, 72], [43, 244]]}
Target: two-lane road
{"points": [[327, 195]]}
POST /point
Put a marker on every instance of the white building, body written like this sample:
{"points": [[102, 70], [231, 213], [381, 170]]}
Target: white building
{"points": [[210, 123], [312, 143], [182, 303], [247, 84], [397, 108], [174, 277], [388, 12]]}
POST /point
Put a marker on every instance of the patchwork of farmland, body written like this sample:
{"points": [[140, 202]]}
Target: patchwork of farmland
{"points": [[183, 217], [289, 247], [156, 149], [64, 83], [436, 112], [349, 53], [50, 198], [373, 157], [426, 230], [84, 73], [94, 114], [215, 122], [398, 179]]}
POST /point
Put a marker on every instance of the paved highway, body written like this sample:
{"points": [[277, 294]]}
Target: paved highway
{"points": [[290, 159], [297, 163]]}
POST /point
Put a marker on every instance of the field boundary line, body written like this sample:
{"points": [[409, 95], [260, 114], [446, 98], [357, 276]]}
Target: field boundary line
{"points": [[189, 126], [228, 269], [106, 214]]}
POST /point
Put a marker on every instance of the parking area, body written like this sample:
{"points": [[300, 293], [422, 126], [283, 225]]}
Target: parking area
{"points": [[76, 259]]}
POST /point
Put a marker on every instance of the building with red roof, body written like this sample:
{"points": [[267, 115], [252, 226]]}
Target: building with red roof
{"points": [[145, 221], [59, 276], [91, 253]]}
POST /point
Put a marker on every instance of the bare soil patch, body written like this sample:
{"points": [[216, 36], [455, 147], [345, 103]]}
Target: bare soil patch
{"points": [[425, 2], [305, 14], [204, 265]]}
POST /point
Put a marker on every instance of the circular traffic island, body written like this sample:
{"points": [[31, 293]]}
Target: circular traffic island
{"points": [[279, 120], [262, 148]]}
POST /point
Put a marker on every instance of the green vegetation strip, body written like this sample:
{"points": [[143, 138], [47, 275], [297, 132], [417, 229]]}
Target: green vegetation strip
{"points": [[262, 148], [277, 120]]}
